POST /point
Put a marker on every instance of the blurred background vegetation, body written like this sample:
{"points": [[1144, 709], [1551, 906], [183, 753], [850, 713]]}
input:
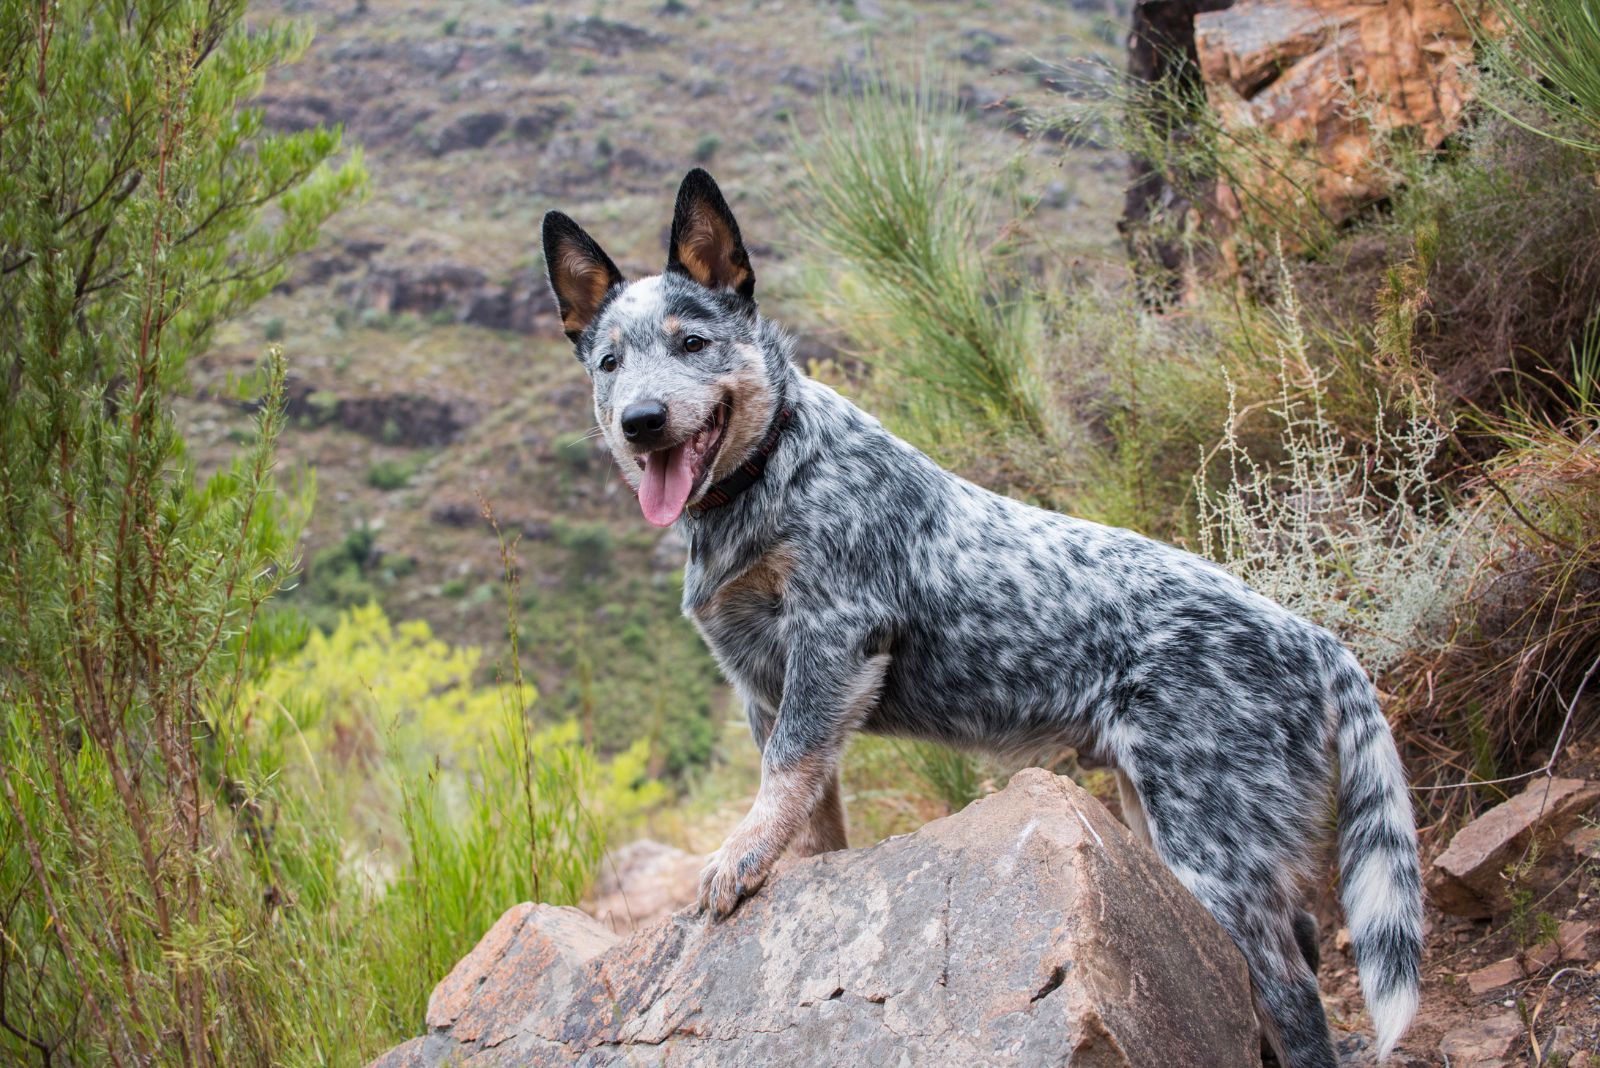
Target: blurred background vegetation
{"points": [[289, 721]]}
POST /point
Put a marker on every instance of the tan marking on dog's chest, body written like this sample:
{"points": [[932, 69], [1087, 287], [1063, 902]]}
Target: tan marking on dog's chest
{"points": [[763, 580]]}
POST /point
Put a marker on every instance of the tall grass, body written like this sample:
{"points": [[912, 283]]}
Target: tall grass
{"points": [[1554, 55], [905, 228]]}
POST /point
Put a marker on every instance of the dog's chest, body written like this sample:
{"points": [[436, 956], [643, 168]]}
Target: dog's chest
{"points": [[742, 622]]}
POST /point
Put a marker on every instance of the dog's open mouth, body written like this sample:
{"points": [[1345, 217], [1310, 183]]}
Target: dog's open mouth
{"points": [[672, 475]]}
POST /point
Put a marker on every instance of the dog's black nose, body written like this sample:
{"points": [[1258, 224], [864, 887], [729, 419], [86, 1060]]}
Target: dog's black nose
{"points": [[643, 423]]}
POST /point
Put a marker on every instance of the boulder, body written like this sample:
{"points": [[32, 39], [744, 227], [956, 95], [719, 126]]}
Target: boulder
{"points": [[1468, 878], [473, 130], [645, 881], [398, 418], [1029, 929], [1330, 80], [1314, 92], [458, 291]]}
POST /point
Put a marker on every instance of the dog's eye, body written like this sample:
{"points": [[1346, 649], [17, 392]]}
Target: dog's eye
{"points": [[693, 343], [608, 363]]}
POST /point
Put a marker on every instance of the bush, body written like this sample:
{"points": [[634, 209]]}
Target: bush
{"points": [[133, 218], [706, 148], [590, 543], [456, 803], [390, 475], [1363, 541], [904, 234]]}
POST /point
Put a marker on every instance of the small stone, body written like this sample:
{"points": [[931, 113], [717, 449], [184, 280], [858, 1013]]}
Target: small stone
{"points": [[1570, 943], [1563, 1043], [1585, 841], [1466, 879], [1493, 976], [1483, 1043]]}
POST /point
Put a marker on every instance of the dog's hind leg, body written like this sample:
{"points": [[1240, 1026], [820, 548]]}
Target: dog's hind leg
{"points": [[826, 831], [1252, 895], [1305, 935], [1132, 808]]}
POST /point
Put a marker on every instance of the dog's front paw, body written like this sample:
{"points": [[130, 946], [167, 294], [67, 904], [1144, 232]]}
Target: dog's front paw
{"points": [[729, 877]]}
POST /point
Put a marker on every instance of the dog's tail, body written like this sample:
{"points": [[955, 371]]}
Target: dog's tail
{"points": [[1379, 880]]}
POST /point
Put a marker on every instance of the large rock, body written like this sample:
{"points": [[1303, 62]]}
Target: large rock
{"points": [[1030, 929], [1312, 92], [1330, 81], [1469, 877]]}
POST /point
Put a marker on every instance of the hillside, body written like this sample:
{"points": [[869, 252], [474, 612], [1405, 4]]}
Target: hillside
{"points": [[427, 367]]}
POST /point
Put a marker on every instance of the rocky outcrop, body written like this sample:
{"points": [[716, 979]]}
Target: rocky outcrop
{"points": [[462, 292], [1029, 929], [1309, 93], [418, 420], [1328, 81]]}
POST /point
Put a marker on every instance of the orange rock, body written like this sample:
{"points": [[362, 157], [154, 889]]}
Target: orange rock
{"points": [[1570, 943], [1326, 82], [1493, 976]]}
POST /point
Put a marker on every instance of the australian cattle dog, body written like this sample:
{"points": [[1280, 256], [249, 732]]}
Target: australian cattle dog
{"points": [[845, 582]]}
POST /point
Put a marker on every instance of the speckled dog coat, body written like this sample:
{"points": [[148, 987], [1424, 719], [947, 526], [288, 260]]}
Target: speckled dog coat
{"points": [[845, 582]]}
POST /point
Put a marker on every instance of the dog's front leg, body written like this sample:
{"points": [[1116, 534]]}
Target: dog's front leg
{"points": [[799, 763], [826, 830]]}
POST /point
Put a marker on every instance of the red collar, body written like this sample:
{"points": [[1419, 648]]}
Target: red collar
{"points": [[746, 474]]}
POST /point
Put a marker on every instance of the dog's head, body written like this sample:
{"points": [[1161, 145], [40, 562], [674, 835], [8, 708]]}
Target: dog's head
{"points": [[681, 387]]}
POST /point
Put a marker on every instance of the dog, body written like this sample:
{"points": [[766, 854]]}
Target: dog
{"points": [[845, 582]]}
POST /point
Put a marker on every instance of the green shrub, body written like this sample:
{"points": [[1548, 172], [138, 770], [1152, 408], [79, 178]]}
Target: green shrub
{"points": [[141, 202], [459, 805], [391, 474], [904, 233], [590, 543], [706, 148]]}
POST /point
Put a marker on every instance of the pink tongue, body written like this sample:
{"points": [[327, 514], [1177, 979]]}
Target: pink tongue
{"points": [[664, 490]]}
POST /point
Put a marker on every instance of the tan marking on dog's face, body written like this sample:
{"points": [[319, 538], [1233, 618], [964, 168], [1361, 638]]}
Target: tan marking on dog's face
{"points": [[751, 399], [670, 325], [616, 335]]}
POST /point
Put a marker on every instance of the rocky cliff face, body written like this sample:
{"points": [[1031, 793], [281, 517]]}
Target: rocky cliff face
{"points": [[1030, 929], [1308, 97]]}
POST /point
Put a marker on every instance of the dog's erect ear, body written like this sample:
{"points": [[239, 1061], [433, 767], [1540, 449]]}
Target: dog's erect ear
{"points": [[581, 274], [705, 241]]}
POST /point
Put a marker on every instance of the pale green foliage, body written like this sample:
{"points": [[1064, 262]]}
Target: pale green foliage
{"points": [[465, 807], [915, 268], [1360, 540]]}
